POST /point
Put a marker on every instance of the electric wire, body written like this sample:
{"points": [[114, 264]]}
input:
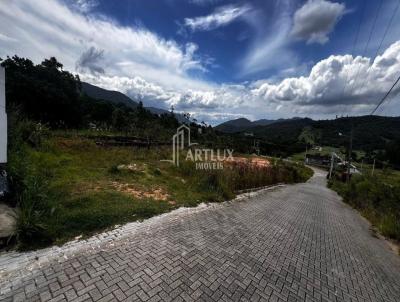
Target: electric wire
{"points": [[367, 44], [386, 95], [354, 47]]}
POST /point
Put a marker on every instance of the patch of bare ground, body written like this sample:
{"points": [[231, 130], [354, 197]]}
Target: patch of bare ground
{"points": [[252, 161], [156, 194]]}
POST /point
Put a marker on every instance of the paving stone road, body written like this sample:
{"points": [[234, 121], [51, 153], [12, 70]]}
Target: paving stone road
{"points": [[296, 243]]}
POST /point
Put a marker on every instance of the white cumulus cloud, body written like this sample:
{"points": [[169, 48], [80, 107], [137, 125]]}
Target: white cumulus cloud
{"points": [[52, 28], [316, 19], [339, 80], [138, 62]]}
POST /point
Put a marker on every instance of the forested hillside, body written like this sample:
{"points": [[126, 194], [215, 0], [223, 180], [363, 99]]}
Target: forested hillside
{"points": [[54, 97], [47, 94], [371, 134]]}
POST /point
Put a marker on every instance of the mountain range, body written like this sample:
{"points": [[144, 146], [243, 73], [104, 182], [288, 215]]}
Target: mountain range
{"points": [[241, 124], [112, 96], [370, 132], [117, 97]]}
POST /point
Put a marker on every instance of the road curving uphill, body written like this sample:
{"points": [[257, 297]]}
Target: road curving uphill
{"points": [[294, 243]]}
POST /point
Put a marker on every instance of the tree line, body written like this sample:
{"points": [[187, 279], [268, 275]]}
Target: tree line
{"points": [[48, 94]]}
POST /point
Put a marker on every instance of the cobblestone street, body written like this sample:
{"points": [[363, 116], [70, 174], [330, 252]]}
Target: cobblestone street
{"points": [[293, 243]]}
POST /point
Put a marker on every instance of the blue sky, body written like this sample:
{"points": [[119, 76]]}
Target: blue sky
{"points": [[220, 59]]}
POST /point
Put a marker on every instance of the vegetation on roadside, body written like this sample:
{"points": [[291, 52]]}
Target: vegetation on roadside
{"points": [[66, 185], [376, 197]]}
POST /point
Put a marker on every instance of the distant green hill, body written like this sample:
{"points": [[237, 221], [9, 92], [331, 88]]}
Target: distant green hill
{"points": [[369, 132], [241, 124], [115, 97], [233, 126]]}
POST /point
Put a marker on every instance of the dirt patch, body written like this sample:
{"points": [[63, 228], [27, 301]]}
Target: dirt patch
{"points": [[75, 143], [132, 167], [127, 188], [156, 194], [253, 161]]}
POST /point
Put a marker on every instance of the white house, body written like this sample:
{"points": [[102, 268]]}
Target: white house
{"points": [[3, 118]]}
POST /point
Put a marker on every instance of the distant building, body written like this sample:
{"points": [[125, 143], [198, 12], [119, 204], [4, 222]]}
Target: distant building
{"points": [[3, 118], [3, 133], [318, 160]]}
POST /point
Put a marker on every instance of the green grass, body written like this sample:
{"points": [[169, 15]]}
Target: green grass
{"points": [[68, 186], [377, 197], [326, 151]]}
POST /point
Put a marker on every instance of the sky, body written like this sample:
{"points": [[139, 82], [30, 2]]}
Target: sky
{"points": [[220, 60]]}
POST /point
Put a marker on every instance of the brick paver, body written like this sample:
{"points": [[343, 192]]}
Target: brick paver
{"points": [[297, 243]]}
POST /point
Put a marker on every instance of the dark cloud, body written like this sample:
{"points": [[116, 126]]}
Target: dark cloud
{"points": [[90, 61]]}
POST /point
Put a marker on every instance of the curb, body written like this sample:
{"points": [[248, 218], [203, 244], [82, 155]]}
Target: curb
{"points": [[260, 188]]}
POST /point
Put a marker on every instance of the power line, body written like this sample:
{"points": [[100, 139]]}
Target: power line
{"points": [[381, 109], [387, 29], [368, 41], [386, 95], [353, 83], [354, 47], [382, 40]]}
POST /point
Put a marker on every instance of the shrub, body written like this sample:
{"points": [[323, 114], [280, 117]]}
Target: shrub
{"points": [[377, 198]]}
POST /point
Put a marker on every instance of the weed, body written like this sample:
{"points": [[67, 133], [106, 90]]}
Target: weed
{"points": [[67, 186], [377, 198]]}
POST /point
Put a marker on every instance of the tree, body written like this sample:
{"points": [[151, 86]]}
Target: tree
{"points": [[119, 120], [43, 92], [307, 136], [392, 152]]}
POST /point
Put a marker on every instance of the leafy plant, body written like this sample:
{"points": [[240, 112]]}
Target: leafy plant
{"points": [[377, 198]]}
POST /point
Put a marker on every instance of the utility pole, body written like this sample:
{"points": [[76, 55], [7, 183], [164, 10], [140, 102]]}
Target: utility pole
{"points": [[349, 155], [3, 119], [305, 155], [373, 168], [3, 134], [362, 164], [331, 168]]}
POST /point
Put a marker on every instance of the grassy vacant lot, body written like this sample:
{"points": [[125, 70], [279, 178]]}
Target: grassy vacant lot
{"points": [[65, 185], [377, 197], [326, 151]]}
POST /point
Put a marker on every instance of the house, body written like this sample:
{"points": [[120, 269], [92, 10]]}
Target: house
{"points": [[3, 132], [318, 160]]}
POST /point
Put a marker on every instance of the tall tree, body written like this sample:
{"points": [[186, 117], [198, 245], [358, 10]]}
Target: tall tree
{"points": [[43, 92]]}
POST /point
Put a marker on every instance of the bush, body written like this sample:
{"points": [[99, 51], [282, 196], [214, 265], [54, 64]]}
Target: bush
{"points": [[27, 181], [377, 198], [65, 186], [31, 229], [238, 176]]}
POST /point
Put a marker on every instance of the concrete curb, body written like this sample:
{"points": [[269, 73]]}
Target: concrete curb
{"points": [[260, 188]]}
